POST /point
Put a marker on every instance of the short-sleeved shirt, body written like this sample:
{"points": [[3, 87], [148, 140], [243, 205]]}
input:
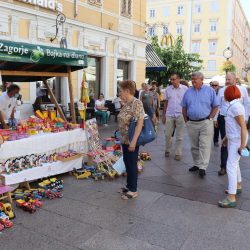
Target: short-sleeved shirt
{"points": [[199, 103], [233, 129], [125, 116], [174, 97], [7, 104], [245, 101], [99, 103]]}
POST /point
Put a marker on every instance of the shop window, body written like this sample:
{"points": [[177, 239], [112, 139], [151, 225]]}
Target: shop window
{"points": [[179, 29], [213, 26], [126, 8], [212, 46], [95, 2], [165, 30], [180, 10], [197, 28], [196, 46], [93, 75], [211, 65], [152, 13], [197, 8], [122, 71], [151, 31]]}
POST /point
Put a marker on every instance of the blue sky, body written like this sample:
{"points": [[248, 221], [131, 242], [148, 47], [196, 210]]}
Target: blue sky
{"points": [[246, 7]]}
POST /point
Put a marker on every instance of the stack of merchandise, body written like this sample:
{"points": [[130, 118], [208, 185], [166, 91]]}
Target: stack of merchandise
{"points": [[35, 125], [6, 213], [30, 200]]}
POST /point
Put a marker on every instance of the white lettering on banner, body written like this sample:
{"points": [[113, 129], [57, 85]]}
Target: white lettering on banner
{"points": [[11, 49], [47, 4]]}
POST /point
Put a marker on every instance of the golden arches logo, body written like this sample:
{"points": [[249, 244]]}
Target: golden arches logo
{"points": [[167, 40]]}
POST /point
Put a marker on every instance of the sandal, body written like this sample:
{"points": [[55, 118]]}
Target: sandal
{"points": [[226, 203], [123, 190], [238, 191], [129, 195]]}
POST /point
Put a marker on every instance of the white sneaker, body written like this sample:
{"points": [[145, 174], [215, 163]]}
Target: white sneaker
{"points": [[105, 125]]}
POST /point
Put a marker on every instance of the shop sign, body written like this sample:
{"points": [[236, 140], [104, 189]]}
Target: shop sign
{"points": [[28, 53], [47, 4]]}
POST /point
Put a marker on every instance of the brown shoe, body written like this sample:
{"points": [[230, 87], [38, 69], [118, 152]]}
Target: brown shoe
{"points": [[222, 172], [177, 158], [167, 154]]}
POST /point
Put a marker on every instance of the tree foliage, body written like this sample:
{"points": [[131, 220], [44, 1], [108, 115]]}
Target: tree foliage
{"points": [[176, 61], [228, 66]]}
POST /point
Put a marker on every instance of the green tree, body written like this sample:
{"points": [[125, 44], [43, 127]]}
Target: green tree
{"points": [[228, 66], [176, 60]]}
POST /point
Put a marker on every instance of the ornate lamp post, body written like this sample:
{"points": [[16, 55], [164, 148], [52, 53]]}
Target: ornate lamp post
{"points": [[60, 20]]}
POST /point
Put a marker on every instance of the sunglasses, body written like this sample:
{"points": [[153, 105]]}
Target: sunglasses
{"points": [[214, 85]]}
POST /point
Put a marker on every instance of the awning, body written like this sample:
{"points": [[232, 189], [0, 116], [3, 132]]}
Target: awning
{"points": [[38, 58], [154, 63]]}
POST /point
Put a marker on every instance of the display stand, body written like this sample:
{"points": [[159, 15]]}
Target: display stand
{"points": [[32, 63]]}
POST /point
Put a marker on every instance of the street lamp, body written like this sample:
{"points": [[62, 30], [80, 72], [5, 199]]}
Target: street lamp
{"points": [[60, 20], [227, 53]]}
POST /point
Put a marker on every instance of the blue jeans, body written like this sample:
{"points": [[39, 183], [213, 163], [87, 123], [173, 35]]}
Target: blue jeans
{"points": [[104, 116], [130, 160]]}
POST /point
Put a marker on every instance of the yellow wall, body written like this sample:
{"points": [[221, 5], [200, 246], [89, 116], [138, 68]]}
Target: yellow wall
{"points": [[23, 28]]}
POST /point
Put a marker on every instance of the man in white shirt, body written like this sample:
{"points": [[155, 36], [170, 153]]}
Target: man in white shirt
{"points": [[8, 104], [172, 115], [117, 102], [223, 106]]}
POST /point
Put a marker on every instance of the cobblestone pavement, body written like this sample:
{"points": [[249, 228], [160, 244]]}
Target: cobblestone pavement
{"points": [[175, 210]]}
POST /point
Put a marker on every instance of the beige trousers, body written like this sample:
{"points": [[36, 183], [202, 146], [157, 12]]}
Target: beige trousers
{"points": [[178, 124], [200, 134]]}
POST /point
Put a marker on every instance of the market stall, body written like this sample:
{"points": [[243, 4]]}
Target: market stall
{"points": [[41, 147]]}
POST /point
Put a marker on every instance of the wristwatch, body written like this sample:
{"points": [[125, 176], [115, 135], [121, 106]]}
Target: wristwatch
{"points": [[210, 119]]}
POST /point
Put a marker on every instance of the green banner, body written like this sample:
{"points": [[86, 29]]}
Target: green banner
{"points": [[39, 54]]}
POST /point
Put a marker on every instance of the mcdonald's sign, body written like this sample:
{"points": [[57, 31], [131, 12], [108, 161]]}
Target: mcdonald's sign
{"points": [[167, 40]]}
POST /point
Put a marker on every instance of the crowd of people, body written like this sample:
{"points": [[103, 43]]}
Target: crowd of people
{"points": [[205, 111]]}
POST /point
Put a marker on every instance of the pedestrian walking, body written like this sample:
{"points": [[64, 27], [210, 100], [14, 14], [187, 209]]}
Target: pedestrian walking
{"points": [[172, 115], [156, 97], [236, 141], [132, 108], [199, 106], [216, 86], [147, 99], [223, 106]]}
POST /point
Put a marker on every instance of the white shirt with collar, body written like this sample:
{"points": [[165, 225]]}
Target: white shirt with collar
{"points": [[6, 105], [244, 100]]}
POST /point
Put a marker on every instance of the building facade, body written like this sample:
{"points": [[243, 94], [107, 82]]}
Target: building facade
{"points": [[208, 27], [111, 32]]}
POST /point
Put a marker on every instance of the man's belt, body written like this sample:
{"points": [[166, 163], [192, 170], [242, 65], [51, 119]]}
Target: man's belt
{"points": [[203, 119]]}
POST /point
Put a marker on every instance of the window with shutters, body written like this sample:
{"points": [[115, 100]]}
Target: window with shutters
{"points": [[95, 2], [126, 8]]}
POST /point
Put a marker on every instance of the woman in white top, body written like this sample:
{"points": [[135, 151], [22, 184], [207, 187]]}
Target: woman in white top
{"points": [[236, 138], [101, 110]]}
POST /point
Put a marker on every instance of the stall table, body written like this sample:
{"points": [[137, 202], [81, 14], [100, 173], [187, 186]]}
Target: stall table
{"points": [[40, 144]]}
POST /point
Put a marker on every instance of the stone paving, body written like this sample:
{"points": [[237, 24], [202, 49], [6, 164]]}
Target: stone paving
{"points": [[175, 210]]}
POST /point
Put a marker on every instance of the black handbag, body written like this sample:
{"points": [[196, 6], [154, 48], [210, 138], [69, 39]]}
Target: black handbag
{"points": [[147, 134]]}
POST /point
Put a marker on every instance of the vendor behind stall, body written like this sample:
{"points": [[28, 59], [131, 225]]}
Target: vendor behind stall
{"points": [[8, 102]]}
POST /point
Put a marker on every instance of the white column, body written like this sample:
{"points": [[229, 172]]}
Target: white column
{"points": [[105, 77], [32, 92], [14, 27], [65, 91], [132, 70], [115, 65]]}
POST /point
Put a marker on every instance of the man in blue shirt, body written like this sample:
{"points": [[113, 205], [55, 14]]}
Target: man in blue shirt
{"points": [[199, 106]]}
